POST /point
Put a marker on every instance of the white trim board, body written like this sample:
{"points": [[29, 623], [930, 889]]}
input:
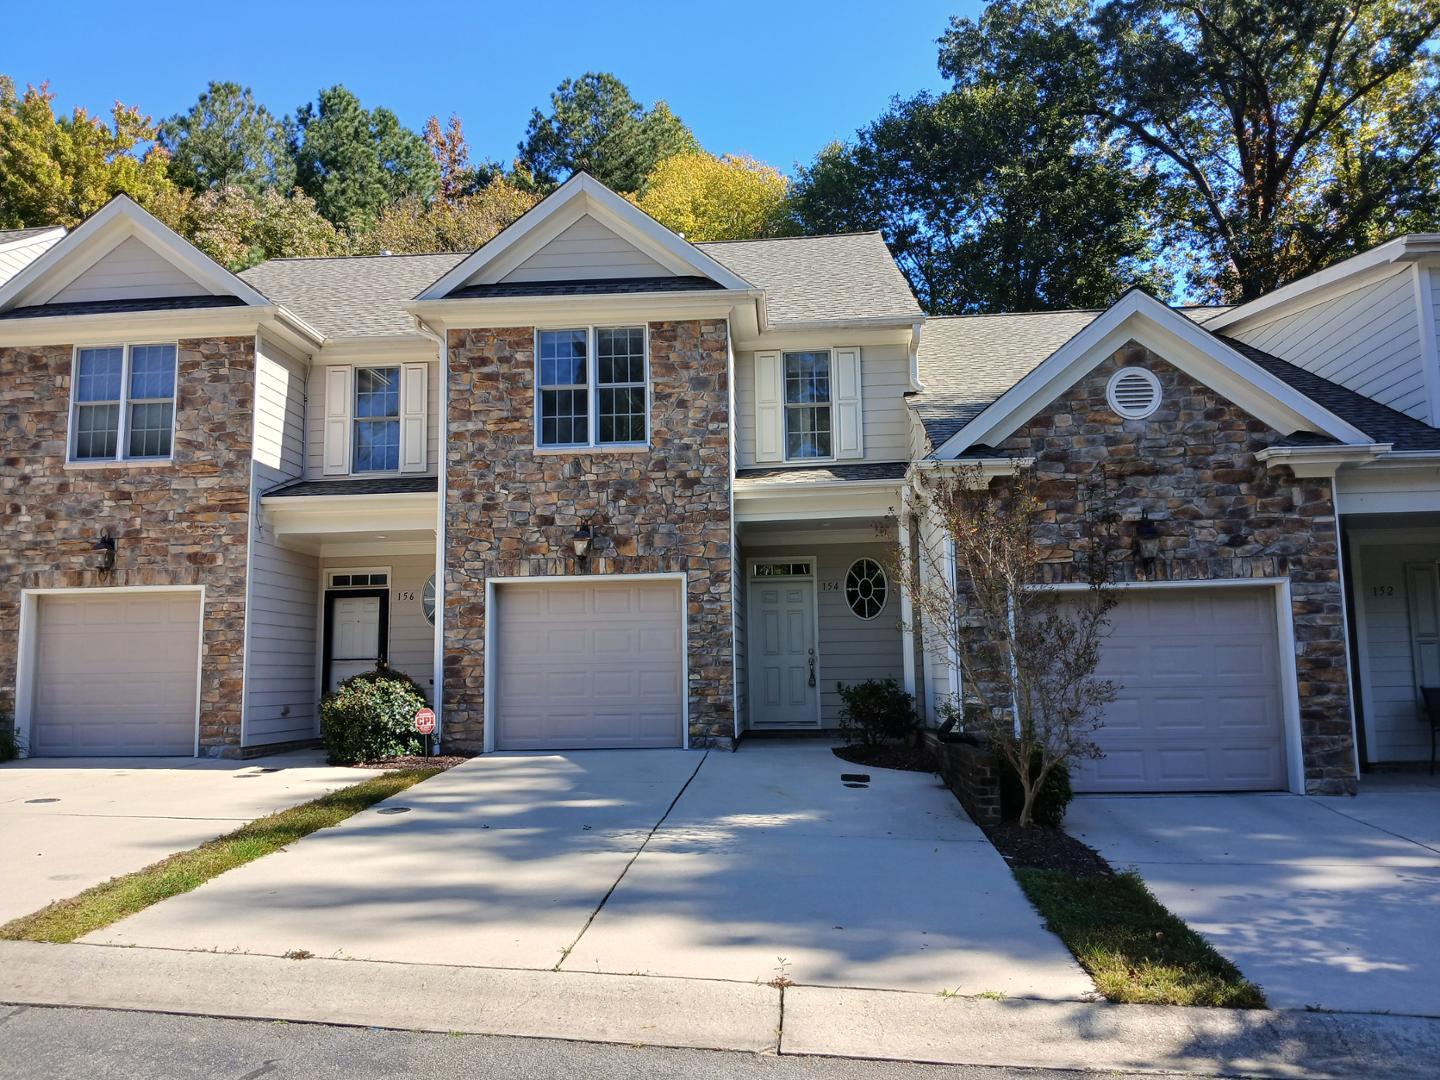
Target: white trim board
{"points": [[1141, 318], [29, 624], [679, 577]]}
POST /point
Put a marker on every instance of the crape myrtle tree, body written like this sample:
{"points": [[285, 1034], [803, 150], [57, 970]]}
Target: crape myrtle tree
{"points": [[1028, 652]]}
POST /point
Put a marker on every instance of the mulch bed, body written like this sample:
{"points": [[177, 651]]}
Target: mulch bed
{"points": [[1044, 848], [908, 758], [415, 761]]}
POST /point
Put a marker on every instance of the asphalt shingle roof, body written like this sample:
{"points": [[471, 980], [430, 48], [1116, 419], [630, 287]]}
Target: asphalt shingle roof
{"points": [[1380, 422], [118, 307], [587, 287], [354, 296], [9, 236], [967, 361], [370, 485], [811, 474], [817, 278]]}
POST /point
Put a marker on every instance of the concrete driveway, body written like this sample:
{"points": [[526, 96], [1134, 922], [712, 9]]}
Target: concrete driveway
{"points": [[748, 866], [69, 823], [1325, 902]]}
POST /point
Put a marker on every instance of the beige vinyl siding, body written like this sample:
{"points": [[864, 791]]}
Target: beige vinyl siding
{"points": [[282, 628], [587, 250], [315, 429], [851, 649], [1395, 727], [1367, 339], [15, 257], [132, 271], [884, 380], [411, 638]]}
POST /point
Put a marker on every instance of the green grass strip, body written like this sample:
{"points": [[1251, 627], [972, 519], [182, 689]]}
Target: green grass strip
{"points": [[1132, 946], [113, 900]]}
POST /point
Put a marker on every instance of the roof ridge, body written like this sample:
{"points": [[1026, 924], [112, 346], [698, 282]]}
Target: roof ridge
{"points": [[802, 236], [345, 258]]}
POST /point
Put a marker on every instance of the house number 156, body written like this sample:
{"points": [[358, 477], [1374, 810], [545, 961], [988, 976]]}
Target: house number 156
{"points": [[402, 597]]}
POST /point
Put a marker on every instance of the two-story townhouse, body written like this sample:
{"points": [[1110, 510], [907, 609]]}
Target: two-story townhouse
{"points": [[595, 486], [552, 480]]}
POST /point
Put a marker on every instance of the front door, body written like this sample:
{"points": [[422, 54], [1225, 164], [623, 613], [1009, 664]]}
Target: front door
{"points": [[783, 664], [355, 625]]}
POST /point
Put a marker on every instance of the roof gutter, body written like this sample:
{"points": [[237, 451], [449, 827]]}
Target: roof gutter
{"points": [[1313, 461]]}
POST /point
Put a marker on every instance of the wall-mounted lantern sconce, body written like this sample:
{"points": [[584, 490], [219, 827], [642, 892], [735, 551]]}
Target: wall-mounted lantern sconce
{"points": [[581, 541], [105, 544], [1146, 544]]}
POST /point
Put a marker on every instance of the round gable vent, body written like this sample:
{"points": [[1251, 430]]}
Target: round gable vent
{"points": [[1133, 392]]}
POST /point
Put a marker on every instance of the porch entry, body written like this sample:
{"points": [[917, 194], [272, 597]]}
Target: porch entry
{"points": [[357, 623], [784, 640]]}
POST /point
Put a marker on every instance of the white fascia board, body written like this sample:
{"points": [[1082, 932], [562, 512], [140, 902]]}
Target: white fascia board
{"points": [[814, 487], [818, 502], [574, 310], [826, 335], [1332, 279], [1307, 461], [579, 195], [129, 326], [416, 346], [1136, 316], [301, 515], [100, 233]]}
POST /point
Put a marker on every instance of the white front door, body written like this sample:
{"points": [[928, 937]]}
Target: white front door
{"points": [[782, 660], [354, 637]]}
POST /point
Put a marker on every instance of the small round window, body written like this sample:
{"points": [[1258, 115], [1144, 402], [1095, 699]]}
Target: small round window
{"points": [[865, 588], [1133, 392], [427, 600]]}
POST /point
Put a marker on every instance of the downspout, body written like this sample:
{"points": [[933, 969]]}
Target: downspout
{"points": [[442, 469]]}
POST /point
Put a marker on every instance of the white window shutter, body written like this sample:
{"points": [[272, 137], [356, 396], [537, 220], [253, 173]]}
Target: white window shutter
{"points": [[849, 410], [414, 405], [337, 420], [769, 412]]}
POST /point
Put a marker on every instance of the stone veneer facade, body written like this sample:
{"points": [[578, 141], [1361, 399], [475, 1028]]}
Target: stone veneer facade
{"points": [[180, 523], [510, 511], [1220, 513]]}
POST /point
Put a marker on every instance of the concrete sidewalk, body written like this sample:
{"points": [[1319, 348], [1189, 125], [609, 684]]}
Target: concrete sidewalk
{"points": [[722, 1015], [69, 823]]}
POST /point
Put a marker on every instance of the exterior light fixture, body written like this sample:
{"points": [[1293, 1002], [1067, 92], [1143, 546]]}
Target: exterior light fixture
{"points": [[1146, 544], [581, 541], [105, 544]]}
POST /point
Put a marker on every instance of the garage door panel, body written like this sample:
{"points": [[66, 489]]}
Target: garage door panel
{"points": [[1200, 707], [116, 674], [608, 669]]}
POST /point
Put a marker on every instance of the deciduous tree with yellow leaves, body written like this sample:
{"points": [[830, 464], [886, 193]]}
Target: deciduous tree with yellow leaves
{"points": [[704, 197]]}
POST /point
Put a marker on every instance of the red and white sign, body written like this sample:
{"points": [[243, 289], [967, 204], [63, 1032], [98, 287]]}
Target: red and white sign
{"points": [[425, 721]]}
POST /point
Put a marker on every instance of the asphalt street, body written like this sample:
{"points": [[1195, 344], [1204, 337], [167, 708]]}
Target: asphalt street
{"points": [[90, 1044]]}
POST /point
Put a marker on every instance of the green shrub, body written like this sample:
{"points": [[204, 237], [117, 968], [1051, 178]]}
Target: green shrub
{"points": [[371, 716], [1051, 802], [875, 711], [9, 740]]}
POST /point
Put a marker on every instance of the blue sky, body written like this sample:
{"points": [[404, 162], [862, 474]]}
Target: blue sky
{"points": [[776, 80]]}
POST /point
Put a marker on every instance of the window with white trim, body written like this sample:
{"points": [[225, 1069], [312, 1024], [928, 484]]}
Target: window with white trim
{"points": [[592, 387], [377, 420], [807, 405], [124, 403]]}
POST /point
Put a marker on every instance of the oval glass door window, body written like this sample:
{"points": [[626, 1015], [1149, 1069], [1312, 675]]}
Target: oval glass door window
{"points": [[427, 601], [866, 588]]}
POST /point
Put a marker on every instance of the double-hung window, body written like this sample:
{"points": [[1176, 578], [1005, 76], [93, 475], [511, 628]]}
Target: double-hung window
{"points": [[592, 386], [807, 405], [124, 403], [377, 420]]}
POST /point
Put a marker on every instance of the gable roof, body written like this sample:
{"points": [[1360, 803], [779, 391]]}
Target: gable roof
{"points": [[808, 279], [1140, 317], [580, 196], [119, 220], [354, 296]]}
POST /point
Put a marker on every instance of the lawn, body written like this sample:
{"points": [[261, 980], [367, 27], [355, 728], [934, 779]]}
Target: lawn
{"points": [[1131, 944], [113, 900]]}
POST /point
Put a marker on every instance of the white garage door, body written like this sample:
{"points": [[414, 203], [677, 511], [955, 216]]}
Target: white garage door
{"points": [[588, 665], [1199, 707], [116, 674]]}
